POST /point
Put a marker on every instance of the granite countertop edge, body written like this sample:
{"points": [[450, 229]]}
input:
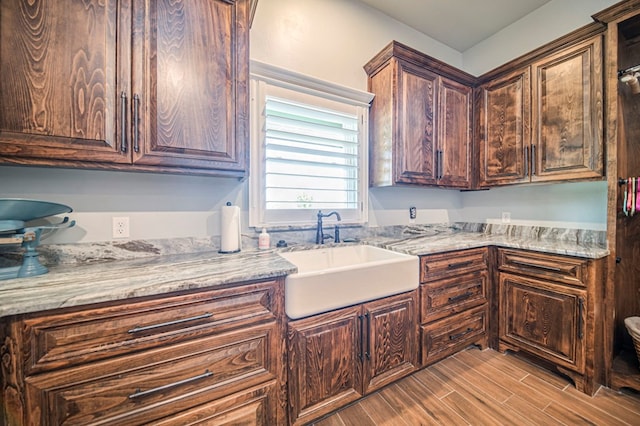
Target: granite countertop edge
{"points": [[71, 286]]}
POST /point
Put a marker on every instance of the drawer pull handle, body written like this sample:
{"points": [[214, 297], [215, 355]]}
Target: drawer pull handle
{"points": [[459, 335], [461, 297], [139, 394], [459, 264], [536, 266], [168, 323]]}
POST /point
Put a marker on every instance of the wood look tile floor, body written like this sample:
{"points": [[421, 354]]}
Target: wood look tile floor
{"points": [[486, 387]]}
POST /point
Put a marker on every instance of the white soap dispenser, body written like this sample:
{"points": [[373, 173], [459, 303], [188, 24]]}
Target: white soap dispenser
{"points": [[264, 241]]}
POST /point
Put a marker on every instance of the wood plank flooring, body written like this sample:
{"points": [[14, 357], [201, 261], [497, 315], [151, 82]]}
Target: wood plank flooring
{"points": [[486, 387]]}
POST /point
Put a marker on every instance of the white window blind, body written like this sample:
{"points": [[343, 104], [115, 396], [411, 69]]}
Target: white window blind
{"points": [[311, 157], [308, 150]]}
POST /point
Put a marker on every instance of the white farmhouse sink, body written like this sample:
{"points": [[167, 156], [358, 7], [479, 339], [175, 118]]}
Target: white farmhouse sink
{"points": [[334, 277]]}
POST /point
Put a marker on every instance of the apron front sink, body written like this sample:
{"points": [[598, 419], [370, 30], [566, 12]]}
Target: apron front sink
{"points": [[335, 277]]}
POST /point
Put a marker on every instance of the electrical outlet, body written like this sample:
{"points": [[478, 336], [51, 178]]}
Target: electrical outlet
{"points": [[120, 227], [506, 217], [412, 213]]}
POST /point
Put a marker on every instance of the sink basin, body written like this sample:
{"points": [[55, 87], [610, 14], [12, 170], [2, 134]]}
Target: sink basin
{"points": [[334, 277]]}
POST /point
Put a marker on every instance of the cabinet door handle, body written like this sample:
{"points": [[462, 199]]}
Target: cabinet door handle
{"points": [[580, 320], [136, 112], [526, 161], [460, 297], [459, 264], [533, 160], [168, 323], [360, 319], [439, 164], [459, 335], [535, 266], [123, 122], [367, 352], [139, 394]]}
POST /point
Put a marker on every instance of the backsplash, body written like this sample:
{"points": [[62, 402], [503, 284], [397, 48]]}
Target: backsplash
{"points": [[83, 253]]}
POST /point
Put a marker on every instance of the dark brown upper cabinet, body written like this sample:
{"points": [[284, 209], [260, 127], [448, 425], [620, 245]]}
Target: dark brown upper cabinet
{"points": [[505, 119], [543, 121], [420, 120], [156, 86]]}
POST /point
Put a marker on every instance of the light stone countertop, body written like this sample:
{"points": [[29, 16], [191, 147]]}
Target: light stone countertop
{"points": [[459, 240], [76, 285]]}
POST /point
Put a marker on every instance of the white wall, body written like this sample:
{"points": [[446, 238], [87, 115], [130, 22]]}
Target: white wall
{"points": [[547, 23], [332, 40]]}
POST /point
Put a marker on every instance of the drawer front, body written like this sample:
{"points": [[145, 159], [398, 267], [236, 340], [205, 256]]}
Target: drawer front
{"points": [[82, 336], [443, 338], [144, 387], [449, 264], [256, 406], [443, 298], [564, 269]]}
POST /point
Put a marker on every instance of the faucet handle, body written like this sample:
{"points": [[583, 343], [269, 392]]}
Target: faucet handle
{"points": [[336, 238]]}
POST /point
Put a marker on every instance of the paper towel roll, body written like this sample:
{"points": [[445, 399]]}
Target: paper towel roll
{"points": [[229, 229]]}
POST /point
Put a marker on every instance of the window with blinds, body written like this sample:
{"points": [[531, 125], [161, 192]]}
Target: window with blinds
{"points": [[308, 150], [311, 157]]}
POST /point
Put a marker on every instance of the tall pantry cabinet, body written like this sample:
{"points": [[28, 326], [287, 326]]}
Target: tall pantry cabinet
{"points": [[622, 290], [128, 85]]}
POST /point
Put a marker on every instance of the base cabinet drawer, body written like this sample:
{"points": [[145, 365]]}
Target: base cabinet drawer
{"points": [[445, 265], [445, 337], [73, 338], [442, 298], [148, 386], [256, 406]]}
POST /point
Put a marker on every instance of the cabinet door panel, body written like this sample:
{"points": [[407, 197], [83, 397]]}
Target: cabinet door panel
{"points": [[195, 106], [417, 126], [390, 341], [60, 95], [455, 134], [382, 138], [544, 319], [505, 118], [324, 363], [567, 118]]}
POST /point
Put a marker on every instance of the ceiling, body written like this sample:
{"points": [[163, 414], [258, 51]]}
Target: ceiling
{"points": [[460, 24]]}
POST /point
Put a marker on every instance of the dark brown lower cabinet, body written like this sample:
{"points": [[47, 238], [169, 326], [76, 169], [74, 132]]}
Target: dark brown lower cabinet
{"points": [[454, 294], [550, 308], [337, 357], [207, 357]]}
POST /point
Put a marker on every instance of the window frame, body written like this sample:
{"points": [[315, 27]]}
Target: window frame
{"points": [[265, 76]]}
